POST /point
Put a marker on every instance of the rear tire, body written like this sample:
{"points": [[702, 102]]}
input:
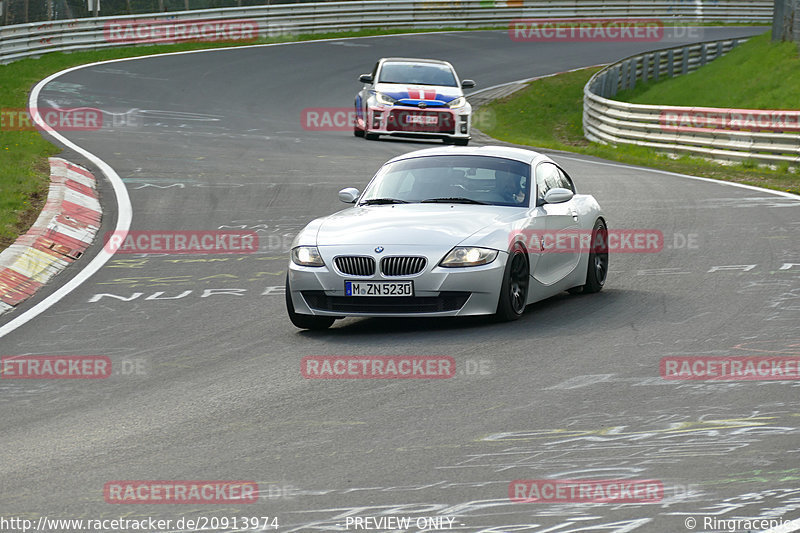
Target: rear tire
{"points": [[305, 321], [461, 142], [514, 289]]}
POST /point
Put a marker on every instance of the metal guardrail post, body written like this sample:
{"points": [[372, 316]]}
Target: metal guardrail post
{"points": [[777, 19], [671, 63], [786, 20], [657, 66], [623, 75]]}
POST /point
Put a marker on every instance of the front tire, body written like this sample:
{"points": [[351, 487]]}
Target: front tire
{"points": [[514, 289], [597, 269], [358, 132], [305, 321], [461, 142], [371, 136]]}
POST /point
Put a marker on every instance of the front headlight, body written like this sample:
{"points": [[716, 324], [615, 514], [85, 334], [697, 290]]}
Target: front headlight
{"points": [[307, 256], [384, 99], [458, 102], [467, 256]]}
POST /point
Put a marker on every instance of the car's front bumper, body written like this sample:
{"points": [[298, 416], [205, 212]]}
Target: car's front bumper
{"points": [[438, 291], [435, 122]]}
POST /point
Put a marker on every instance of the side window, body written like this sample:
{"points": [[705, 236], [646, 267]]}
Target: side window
{"points": [[375, 72], [547, 177], [564, 181]]}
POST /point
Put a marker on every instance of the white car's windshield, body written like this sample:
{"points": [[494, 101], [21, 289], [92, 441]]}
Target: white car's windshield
{"points": [[464, 179], [417, 74]]}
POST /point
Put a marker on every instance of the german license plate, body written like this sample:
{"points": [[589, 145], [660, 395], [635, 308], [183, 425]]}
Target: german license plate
{"points": [[379, 288], [422, 119]]}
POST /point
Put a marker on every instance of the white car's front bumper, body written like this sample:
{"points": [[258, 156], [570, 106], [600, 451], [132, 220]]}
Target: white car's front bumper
{"points": [[438, 291], [396, 120]]}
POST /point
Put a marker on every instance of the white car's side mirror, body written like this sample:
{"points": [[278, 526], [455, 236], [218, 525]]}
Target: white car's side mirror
{"points": [[349, 195], [558, 195]]}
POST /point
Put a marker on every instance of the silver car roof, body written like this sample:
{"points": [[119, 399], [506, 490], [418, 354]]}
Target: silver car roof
{"points": [[506, 152]]}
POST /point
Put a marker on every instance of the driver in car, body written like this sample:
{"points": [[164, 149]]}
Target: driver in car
{"points": [[508, 186]]}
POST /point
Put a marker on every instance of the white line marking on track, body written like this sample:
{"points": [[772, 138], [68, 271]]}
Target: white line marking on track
{"points": [[124, 211]]}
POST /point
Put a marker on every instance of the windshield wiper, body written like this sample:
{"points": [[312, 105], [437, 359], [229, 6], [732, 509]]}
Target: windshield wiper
{"points": [[378, 201], [454, 200]]}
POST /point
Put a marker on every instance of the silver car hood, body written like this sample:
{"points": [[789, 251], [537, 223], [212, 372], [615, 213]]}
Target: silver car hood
{"points": [[443, 225]]}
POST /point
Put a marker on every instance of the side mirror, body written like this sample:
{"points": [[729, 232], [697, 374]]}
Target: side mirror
{"points": [[365, 78], [467, 84], [558, 195], [349, 195]]}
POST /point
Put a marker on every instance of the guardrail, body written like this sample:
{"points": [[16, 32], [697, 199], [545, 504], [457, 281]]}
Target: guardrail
{"points": [[763, 136], [31, 40]]}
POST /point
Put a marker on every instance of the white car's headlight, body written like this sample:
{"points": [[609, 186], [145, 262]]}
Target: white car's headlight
{"points": [[384, 99], [307, 256], [466, 256], [456, 103]]}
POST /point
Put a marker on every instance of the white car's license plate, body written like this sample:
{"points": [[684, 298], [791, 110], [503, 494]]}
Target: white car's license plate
{"points": [[379, 288], [422, 119]]}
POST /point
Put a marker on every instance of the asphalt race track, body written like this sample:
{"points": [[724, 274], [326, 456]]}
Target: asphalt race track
{"points": [[207, 383]]}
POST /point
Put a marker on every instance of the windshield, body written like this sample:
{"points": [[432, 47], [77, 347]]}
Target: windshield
{"points": [[417, 74], [465, 179]]}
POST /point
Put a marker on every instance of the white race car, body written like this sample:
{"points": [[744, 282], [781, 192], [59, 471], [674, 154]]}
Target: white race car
{"points": [[413, 98], [449, 232]]}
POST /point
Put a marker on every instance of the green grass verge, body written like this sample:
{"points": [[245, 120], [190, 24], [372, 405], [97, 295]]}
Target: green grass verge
{"points": [[24, 172], [549, 113], [758, 74]]}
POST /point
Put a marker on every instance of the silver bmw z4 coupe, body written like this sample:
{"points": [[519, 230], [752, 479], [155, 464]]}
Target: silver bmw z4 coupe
{"points": [[449, 231]]}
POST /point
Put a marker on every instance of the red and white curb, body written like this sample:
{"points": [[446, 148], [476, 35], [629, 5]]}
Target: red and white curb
{"points": [[66, 226]]}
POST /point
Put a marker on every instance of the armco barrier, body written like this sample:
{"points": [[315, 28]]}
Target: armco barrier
{"points": [[26, 40], [764, 136]]}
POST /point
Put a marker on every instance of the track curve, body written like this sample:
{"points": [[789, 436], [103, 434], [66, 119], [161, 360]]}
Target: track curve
{"points": [[571, 391]]}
